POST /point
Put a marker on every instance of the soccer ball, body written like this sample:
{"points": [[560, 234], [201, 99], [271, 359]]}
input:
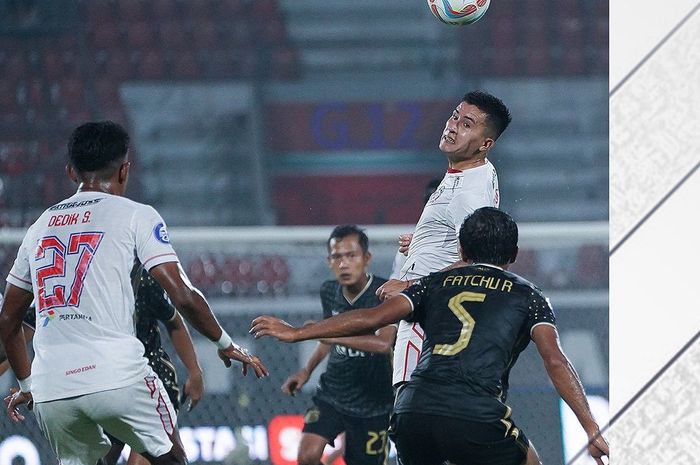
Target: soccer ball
{"points": [[458, 12]]}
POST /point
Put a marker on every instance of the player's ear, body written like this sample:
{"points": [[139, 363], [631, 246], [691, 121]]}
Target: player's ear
{"points": [[486, 145], [70, 171], [514, 255], [368, 257], [461, 253], [124, 172]]}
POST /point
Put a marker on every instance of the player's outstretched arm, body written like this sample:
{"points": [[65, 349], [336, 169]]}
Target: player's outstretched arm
{"points": [[14, 307], [352, 323], [180, 336], [569, 387], [194, 307], [380, 343]]}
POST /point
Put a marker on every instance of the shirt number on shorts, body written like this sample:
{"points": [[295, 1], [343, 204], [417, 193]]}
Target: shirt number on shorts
{"points": [[85, 246], [456, 306], [376, 444]]}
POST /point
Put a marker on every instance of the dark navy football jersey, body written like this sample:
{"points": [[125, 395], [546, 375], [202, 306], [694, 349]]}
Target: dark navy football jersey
{"points": [[356, 383], [152, 305], [477, 320]]}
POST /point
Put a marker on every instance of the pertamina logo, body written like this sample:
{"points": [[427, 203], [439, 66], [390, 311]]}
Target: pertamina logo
{"points": [[48, 316]]}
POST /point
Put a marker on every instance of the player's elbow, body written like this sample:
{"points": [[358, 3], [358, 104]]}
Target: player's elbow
{"points": [[556, 363]]}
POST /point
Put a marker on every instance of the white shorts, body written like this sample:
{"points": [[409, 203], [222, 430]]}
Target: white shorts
{"points": [[409, 342], [140, 415]]}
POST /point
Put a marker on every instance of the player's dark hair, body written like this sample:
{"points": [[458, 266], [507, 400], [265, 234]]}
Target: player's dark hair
{"points": [[345, 230], [97, 146], [497, 114], [489, 235]]}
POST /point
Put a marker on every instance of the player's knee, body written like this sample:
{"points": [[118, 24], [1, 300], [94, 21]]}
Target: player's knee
{"points": [[308, 457], [175, 457]]}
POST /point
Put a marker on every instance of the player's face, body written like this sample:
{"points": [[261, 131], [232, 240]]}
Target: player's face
{"points": [[465, 132], [347, 260]]}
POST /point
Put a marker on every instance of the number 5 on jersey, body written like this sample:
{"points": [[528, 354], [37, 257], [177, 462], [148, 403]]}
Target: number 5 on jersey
{"points": [[456, 305], [85, 246]]}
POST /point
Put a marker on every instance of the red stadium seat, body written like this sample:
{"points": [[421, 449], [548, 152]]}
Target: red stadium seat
{"points": [[164, 10], [172, 35], [100, 11], [140, 35], [151, 65], [184, 65], [106, 36], [205, 34], [133, 10]]}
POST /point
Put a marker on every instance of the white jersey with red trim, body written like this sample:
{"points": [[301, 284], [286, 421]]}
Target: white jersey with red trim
{"points": [[435, 245], [76, 259]]}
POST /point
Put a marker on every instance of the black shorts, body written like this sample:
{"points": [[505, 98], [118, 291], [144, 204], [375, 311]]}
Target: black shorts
{"points": [[431, 440], [366, 441]]}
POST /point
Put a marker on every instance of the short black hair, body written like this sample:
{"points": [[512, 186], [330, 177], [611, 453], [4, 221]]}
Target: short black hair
{"points": [[489, 235], [96, 146], [497, 114], [345, 230]]}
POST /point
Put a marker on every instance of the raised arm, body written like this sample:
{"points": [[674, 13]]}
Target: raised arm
{"points": [[569, 387], [354, 322], [180, 337], [191, 303]]}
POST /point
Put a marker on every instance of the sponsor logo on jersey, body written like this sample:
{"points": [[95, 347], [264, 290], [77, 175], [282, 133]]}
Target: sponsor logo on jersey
{"points": [[48, 316], [161, 233], [64, 206]]}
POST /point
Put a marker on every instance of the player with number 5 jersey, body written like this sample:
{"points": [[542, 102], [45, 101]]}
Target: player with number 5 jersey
{"points": [[89, 371]]}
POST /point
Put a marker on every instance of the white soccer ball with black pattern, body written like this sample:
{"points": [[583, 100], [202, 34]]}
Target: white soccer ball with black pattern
{"points": [[459, 12]]}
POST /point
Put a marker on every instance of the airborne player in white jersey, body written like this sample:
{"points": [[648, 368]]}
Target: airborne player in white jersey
{"points": [[89, 371], [470, 183]]}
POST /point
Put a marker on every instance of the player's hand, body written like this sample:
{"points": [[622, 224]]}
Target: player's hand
{"points": [[14, 400], [295, 382], [404, 242], [391, 288], [598, 448], [194, 389], [274, 327], [239, 354]]}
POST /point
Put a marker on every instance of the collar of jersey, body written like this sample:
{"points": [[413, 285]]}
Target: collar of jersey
{"points": [[352, 302], [488, 265]]}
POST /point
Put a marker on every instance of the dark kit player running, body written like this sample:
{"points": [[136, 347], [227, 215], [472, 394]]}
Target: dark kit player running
{"points": [[477, 319], [354, 394]]}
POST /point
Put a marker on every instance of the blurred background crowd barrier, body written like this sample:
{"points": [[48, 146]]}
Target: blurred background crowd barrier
{"points": [[258, 124]]}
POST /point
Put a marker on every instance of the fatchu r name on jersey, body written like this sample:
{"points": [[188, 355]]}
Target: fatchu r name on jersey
{"points": [[475, 280]]}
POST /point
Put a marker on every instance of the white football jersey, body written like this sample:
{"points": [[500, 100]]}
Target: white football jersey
{"points": [[76, 259], [435, 245]]}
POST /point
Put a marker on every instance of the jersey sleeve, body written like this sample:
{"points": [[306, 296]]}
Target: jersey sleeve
{"points": [[541, 312], [154, 298], [464, 204], [417, 296], [152, 240], [20, 274]]}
